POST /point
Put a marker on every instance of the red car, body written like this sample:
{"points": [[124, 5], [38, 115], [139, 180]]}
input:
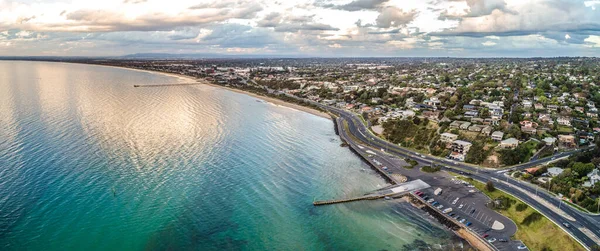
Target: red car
{"points": [[485, 235]]}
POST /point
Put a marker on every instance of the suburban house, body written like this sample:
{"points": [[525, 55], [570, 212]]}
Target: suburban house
{"points": [[549, 140], [594, 177], [465, 126], [459, 150], [448, 137], [457, 124], [511, 143], [554, 171], [566, 140], [528, 130], [497, 135], [539, 106], [564, 121], [486, 130]]}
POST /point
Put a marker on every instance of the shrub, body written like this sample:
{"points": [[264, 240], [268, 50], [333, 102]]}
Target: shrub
{"points": [[503, 202], [531, 218], [430, 169], [521, 207], [412, 162], [489, 186]]}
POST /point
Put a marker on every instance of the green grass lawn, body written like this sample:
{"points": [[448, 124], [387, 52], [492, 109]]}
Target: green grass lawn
{"points": [[539, 234], [565, 129], [531, 146]]}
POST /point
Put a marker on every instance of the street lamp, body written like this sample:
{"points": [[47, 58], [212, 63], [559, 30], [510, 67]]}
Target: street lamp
{"points": [[559, 197]]}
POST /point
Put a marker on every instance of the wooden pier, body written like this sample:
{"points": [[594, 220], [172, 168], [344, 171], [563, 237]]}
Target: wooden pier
{"points": [[366, 197], [164, 85]]}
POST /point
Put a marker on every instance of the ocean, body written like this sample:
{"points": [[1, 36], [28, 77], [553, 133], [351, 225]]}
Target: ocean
{"points": [[88, 162]]}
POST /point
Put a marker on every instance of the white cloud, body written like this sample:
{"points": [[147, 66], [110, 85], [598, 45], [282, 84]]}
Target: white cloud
{"points": [[593, 41], [354, 27], [592, 4]]}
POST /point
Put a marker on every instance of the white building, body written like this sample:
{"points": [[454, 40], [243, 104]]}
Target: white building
{"points": [[564, 121], [459, 150], [594, 177], [511, 143], [554, 171], [497, 135], [448, 137]]}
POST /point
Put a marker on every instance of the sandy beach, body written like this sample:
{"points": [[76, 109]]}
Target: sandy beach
{"points": [[265, 98]]}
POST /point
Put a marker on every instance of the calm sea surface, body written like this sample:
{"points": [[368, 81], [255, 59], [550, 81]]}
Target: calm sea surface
{"points": [[88, 162]]}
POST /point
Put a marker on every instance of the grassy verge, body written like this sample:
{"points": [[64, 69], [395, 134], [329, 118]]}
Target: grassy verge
{"points": [[430, 169], [578, 207], [537, 233], [411, 162]]}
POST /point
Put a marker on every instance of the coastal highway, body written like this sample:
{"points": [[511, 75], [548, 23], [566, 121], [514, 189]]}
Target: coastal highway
{"points": [[523, 191]]}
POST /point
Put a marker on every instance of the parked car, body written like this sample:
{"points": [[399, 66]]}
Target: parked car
{"points": [[492, 240], [485, 235], [440, 206], [462, 220], [566, 225], [502, 240], [473, 211], [430, 201], [469, 224], [522, 247], [461, 206]]}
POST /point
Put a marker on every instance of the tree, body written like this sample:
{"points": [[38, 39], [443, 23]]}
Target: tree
{"points": [[477, 153], [489, 186], [583, 168]]}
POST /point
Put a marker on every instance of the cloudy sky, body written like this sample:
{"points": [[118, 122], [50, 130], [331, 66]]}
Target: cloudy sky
{"points": [[455, 28]]}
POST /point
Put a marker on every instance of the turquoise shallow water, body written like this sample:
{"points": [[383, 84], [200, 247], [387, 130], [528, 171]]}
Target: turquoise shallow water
{"points": [[87, 162]]}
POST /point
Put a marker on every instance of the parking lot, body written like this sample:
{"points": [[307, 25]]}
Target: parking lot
{"points": [[469, 207], [483, 220]]}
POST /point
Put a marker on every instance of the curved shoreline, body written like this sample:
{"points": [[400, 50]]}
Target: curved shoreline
{"points": [[274, 101]]}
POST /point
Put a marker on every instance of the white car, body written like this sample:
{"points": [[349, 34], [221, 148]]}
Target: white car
{"points": [[462, 221], [440, 206], [522, 247], [461, 206], [492, 240], [455, 200]]}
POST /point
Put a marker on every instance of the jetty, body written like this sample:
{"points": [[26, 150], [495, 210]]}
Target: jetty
{"points": [[164, 85], [329, 202], [393, 191]]}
